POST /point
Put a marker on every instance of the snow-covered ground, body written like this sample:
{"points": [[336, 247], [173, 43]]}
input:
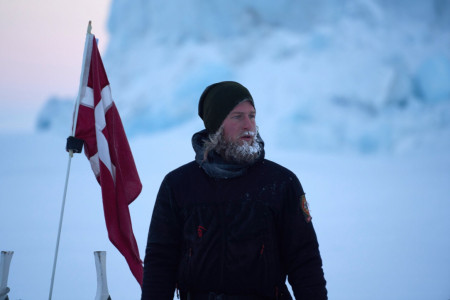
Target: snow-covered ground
{"points": [[382, 220]]}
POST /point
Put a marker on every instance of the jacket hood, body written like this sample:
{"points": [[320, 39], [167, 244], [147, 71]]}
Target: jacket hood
{"points": [[214, 165]]}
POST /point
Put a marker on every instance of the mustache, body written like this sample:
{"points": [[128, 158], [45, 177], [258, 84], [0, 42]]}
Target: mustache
{"points": [[248, 133]]}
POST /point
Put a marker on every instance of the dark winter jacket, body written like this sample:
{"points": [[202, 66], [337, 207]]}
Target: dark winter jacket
{"points": [[237, 236]]}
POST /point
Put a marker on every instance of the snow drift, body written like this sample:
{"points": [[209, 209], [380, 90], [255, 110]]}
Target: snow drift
{"points": [[365, 76]]}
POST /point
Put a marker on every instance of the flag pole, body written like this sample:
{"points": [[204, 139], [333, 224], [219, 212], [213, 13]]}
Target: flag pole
{"points": [[83, 70], [83, 76]]}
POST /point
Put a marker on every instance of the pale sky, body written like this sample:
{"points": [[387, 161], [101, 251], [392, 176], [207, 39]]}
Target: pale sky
{"points": [[41, 51]]}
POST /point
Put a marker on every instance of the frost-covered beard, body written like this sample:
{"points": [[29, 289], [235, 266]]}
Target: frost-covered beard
{"points": [[242, 153]]}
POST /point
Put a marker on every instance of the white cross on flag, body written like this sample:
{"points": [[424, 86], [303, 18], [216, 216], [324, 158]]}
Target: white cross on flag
{"points": [[106, 146]]}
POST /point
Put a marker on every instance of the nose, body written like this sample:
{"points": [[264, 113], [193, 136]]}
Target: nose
{"points": [[248, 123]]}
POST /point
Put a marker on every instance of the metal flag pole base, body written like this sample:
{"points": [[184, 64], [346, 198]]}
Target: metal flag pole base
{"points": [[102, 284], [5, 262]]}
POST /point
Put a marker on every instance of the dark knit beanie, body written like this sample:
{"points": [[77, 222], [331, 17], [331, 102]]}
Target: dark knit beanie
{"points": [[218, 100]]}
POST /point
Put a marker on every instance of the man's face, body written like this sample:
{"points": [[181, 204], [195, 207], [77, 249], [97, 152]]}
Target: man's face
{"points": [[239, 122]]}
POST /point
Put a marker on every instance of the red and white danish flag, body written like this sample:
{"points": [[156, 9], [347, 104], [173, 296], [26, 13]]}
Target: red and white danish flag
{"points": [[106, 146]]}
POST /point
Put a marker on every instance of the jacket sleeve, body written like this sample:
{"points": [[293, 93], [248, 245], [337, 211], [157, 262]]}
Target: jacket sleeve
{"points": [[163, 247], [300, 249]]}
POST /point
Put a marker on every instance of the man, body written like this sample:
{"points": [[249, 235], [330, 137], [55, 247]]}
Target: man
{"points": [[231, 225]]}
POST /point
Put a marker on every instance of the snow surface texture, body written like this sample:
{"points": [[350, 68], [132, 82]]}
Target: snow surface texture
{"points": [[362, 76], [381, 220]]}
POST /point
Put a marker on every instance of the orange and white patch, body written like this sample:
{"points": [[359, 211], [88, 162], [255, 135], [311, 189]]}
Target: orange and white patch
{"points": [[305, 209]]}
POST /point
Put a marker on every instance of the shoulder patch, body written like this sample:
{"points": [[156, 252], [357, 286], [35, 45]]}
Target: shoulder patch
{"points": [[305, 209]]}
